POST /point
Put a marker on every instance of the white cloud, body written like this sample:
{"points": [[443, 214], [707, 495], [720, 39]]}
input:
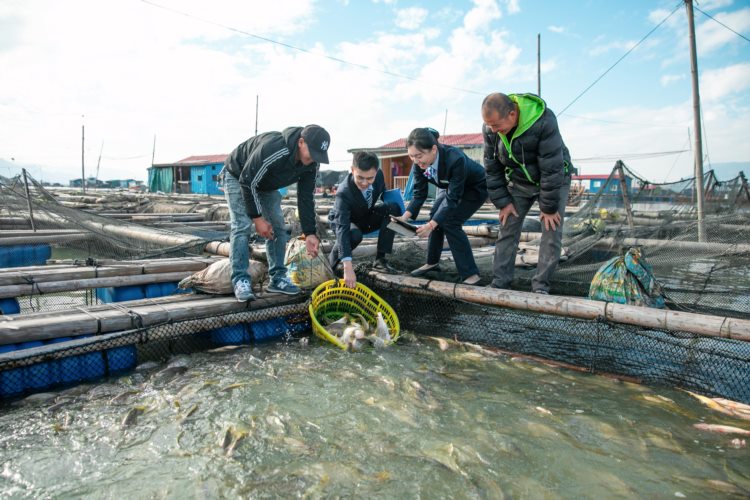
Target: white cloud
{"points": [[513, 6], [721, 83], [481, 15], [556, 29], [711, 36], [618, 46], [667, 80], [714, 4], [411, 18]]}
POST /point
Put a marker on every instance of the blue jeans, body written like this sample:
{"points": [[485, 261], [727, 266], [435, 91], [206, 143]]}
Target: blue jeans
{"points": [[242, 225]]}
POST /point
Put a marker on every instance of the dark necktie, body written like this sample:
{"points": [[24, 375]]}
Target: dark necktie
{"points": [[368, 197]]}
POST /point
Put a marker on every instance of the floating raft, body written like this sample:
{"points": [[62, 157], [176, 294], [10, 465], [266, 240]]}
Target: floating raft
{"points": [[576, 307]]}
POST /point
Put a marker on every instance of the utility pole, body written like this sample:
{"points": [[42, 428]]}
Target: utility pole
{"points": [[698, 150], [539, 64], [445, 121], [83, 174], [256, 114], [153, 151]]}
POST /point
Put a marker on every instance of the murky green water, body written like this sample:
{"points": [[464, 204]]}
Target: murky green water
{"points": [[412, 421]]}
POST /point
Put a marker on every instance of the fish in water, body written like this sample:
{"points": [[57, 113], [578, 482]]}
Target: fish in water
{"points": [[722, 429], [382, 330], [131, 416], [232, 437]]}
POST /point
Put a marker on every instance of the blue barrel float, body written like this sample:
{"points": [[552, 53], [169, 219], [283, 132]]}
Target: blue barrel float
{"points": [[24, 255]]}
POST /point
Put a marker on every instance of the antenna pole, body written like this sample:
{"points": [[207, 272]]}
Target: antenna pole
{"points": [[445, 121]]}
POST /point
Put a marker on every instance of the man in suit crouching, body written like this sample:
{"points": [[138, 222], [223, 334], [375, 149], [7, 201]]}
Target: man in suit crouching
{"points": [[359, 209]]}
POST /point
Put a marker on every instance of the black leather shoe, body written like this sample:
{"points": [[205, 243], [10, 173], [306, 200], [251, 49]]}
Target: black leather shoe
{"points": [[382, 265], [421, 271]]}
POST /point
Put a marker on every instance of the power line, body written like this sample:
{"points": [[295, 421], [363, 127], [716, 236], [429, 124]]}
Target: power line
{"points": [[306, 51], [620, 59], [727, 27], [628, 156], [642, 125]]}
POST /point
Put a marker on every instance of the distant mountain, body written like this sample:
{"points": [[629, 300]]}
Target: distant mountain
{"points": [[728, 170]]}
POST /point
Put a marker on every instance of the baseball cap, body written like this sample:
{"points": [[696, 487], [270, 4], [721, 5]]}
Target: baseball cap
{"points": [[318, 140]]}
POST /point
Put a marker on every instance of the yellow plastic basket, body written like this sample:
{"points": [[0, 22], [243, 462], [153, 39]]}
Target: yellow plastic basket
{"points": [[331, 300]]}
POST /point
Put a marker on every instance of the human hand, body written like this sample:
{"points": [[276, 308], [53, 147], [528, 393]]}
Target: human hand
{"points": [[424, 230], [311, 244], [550, 221], [506, 212], [350, 279], [405, 216], [264, 228]]}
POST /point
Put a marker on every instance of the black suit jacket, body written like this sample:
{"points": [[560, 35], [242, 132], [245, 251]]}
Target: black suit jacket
{"points": [[350, 207], [459, 175]]}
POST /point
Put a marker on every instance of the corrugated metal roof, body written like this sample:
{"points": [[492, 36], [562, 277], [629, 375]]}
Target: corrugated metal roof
{"points": [[203, 159], [191, 161], [450, 140]]}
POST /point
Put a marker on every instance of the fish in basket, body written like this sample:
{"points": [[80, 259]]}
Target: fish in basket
{"points": [[352, 318]]}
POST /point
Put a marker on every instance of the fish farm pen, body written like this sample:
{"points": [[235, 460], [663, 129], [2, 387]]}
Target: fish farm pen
{"points": [[127, 366], [117, 303]]}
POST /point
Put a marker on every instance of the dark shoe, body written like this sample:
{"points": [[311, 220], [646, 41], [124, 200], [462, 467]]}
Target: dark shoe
{"points": [[383, 266], [472, 280], [421, 271]]}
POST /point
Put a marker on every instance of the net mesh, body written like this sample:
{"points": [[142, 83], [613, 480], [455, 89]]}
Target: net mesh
{"points": [[710, 276]]}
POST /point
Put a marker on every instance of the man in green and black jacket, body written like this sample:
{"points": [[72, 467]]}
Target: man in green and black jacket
{"points": [[526, 161]]}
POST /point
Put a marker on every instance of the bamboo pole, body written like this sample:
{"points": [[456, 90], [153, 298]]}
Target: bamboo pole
{"points": [[80, 284], [38, 232], [138, 233], [366, 250], [41, 239], [123, 317], [610, 243], [576, 307], [28, 199], [27, 357], [44, 274], [624, 189]]}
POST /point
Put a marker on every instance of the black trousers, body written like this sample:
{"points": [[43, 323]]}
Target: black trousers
{"points": [[377, 219]]}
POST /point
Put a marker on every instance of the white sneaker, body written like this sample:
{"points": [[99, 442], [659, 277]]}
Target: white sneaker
{"points": [[243, 290]]}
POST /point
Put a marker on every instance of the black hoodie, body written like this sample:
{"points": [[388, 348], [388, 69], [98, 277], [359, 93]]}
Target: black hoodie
{"points": [[266, 162]]}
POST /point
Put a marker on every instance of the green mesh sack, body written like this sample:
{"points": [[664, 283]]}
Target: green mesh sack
{"points": [[627, 279]]}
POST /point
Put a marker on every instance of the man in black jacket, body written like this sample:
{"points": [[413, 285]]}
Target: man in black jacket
{"points": [[526, 161], [358, 210], [253, 174]]}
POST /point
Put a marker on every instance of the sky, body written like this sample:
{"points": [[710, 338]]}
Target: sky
{"points": [[163, 80]]}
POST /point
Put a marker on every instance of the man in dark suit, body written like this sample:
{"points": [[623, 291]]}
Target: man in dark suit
{"points": [[359, 209]]}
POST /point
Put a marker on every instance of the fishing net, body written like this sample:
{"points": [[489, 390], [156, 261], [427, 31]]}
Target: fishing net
{"points": [[709, 276], [703, 276]]}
